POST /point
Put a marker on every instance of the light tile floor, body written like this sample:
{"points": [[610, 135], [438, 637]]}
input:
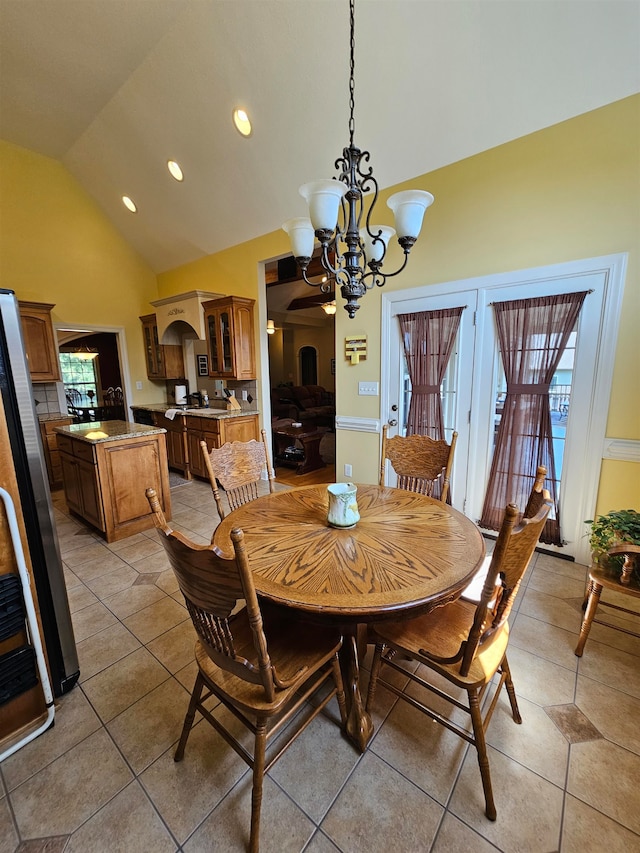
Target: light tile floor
{"points": [[103, 778]]}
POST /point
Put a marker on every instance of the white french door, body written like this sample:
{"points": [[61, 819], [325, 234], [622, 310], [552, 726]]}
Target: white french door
{"points": [[469, 391], [457, 385]]}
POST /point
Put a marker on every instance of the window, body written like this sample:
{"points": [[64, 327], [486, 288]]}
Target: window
{"points": [[80, 378]]}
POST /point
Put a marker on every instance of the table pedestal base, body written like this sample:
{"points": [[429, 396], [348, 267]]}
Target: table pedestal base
{"points": [[359, 728]]}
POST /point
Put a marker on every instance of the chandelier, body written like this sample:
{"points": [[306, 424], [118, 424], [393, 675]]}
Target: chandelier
{"points": [[353, 253]]}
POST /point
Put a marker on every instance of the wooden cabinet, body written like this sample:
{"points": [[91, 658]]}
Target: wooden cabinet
{"points": [[105, 482], [40, 341], [216, 432], [230, 337], [51, 451], [176, 436], [81, 480], [164, 361]]}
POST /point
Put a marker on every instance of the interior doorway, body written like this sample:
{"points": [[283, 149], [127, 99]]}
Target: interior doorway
{"points": [[308, 366], [111, 382]]}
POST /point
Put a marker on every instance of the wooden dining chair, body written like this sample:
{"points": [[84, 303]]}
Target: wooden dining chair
{"points": [[466, 643], [237, 466], [422, 464], [262, 671], [613, 579], [536, 499]]}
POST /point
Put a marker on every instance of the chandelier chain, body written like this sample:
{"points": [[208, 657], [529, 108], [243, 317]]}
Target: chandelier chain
{"points": [[352, 256], [352, 65]]}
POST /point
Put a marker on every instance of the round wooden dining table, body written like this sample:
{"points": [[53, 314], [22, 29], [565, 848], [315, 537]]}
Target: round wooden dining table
{"points": [[407, 554]]}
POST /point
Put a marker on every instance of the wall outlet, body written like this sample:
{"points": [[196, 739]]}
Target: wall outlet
{"points": [[368, 389], [348, 471], [245, 395], [138, 385]]}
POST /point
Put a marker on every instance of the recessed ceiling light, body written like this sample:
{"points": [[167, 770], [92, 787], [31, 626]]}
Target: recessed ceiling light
{"points": [[242, 123], [129, 204], [175, 170]]}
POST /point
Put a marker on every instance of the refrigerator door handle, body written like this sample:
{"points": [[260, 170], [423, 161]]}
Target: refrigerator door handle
{"points": [[32, 621]]}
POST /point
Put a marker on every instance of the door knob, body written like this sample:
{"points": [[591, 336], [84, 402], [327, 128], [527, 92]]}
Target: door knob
{"points": [[394, 408], [392, 422]]}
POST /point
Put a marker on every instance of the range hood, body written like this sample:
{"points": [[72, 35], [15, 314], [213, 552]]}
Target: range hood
{"points": [[181, 309]]}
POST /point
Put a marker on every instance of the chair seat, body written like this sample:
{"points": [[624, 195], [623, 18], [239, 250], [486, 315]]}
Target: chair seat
{"points": [[291, 649], [473, 592], [440, 633]]}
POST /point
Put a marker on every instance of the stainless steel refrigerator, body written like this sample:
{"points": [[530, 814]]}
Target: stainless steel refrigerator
{"points": [[23, 471]]}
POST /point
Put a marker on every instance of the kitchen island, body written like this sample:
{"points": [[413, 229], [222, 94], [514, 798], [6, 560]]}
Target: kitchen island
{"points": [[106, 468], [188, 427]]}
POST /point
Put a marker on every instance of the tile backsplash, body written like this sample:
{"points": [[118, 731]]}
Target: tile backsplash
{"points": [[49, 398]]}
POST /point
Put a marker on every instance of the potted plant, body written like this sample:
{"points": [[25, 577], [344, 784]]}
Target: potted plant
{"points": [[615, 528]]}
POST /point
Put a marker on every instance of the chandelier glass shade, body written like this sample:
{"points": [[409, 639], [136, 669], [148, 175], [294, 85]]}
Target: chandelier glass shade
{"points": [[85, 354], [353, 249]]}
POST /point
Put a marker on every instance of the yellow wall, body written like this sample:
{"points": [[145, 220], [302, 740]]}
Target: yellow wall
{"points": [[567, 192], [57, 246]]}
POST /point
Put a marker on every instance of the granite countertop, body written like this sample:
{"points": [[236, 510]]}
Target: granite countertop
{"points": [[99, 431], [198, 413]]}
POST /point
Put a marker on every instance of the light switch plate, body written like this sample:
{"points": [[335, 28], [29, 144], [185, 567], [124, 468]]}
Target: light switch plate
{"points": [[368, 389]]}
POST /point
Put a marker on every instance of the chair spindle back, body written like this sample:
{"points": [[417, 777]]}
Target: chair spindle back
{"points": [[422, 464], [212, 584], [238, 467], [513, 550]]}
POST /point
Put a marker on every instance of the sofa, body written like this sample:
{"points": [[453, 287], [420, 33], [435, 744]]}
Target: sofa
{"points": [[314, 403], [311, 405], [282, 405]]}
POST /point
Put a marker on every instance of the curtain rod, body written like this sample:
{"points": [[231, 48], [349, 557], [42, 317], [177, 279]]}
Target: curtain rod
{"points": [[538, 297]]}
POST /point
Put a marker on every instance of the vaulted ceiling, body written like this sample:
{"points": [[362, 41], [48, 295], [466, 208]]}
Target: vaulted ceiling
{"points": [[114, 88]]}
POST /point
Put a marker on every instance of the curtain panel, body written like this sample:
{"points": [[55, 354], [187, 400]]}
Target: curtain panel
{"points": [[428, 338], [532, 335]]}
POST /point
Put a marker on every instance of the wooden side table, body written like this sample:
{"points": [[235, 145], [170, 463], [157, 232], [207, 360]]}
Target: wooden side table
{"points": [[309, 438]]}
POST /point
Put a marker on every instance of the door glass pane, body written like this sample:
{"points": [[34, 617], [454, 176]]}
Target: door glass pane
{"points": [[559, 402], [213, 343], [448, 393], [148, 346], [157, 352], [225, 328]]}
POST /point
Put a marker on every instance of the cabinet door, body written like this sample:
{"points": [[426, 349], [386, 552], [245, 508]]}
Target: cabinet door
{"points": [[172, 361], [70, 476], [158, 353], [244, 362], [176, 450], [225, 352], [196, 463], [213, 339], [239, 429], [153, 351], [230, 337], [90, 496], [149, 349], [81, 489], [39, 342]]}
